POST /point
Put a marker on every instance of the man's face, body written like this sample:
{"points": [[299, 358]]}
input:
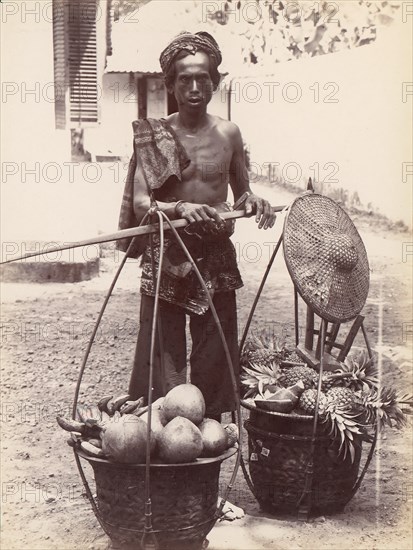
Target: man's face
{"points": [[193, 86]]}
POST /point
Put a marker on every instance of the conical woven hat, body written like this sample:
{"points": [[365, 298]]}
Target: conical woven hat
{"points": [[326, 258]]}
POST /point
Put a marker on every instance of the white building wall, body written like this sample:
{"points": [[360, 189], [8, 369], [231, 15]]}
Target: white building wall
{"points": [[28, 122], [341, 119], [219, 102], [45, 196], [119, 107], [157, 103]]}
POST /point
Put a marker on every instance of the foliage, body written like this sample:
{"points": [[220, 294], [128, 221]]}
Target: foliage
{"points": [[120, 8], [274, 30]]}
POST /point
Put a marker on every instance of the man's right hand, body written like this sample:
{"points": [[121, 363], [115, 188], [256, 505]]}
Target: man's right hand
{"points": [[193, 212]]}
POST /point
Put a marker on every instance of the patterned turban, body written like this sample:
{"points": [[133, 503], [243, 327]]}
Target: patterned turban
{"points": [[191, 43]]}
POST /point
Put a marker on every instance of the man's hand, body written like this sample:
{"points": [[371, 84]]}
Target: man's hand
{"points": [[205, 216], [264, 215]]}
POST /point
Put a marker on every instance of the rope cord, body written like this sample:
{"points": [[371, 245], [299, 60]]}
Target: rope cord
{"points": [[82, 370], [98, 320], [241, 346], [258, 295], [148, 505], [304, 502]]}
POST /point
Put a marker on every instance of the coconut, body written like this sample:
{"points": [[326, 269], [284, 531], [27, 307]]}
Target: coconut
{"points": [[214, 437], [185, 400], [179, 441], [124, 440], [158, 420]]}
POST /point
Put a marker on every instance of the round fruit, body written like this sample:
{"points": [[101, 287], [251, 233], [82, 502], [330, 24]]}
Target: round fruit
{"points": [[158, 420], [184, 400], [179, 441], [214, 437], [124, 440], [232, 433]]}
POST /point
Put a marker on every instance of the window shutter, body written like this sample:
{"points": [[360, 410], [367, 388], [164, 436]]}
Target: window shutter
{"points": [[75, 62], [61, 63], [83, 63]]}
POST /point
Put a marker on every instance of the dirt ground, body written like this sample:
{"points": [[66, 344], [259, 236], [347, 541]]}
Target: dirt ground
{"points": [[45, 330]]}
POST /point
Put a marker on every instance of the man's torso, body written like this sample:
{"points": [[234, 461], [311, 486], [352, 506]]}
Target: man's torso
{"points": [[210, 150]]}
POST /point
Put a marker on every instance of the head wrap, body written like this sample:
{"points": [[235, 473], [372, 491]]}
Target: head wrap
{"points": [[191, 43]]}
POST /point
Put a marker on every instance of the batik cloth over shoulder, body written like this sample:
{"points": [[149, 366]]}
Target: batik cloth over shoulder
{"points": [[161, 156]]}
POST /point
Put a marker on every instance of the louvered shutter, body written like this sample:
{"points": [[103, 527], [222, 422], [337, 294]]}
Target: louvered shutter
{"points": [[61, 63], [83, 63], [75, 62]]}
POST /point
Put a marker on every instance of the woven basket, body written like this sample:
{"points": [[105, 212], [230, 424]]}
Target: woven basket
{"points": [[184, 501], [279, 450]]}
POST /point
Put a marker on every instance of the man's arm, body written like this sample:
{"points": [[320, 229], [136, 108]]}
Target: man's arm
{"points": [[239, 182], [141, 197]]}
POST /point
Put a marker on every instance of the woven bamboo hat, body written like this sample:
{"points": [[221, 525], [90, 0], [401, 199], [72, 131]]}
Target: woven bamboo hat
{"points": [[326, 257]]}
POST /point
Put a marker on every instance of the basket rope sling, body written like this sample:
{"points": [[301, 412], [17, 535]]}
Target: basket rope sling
{"points": [[182, 523], [169, 509], [290, 465]]}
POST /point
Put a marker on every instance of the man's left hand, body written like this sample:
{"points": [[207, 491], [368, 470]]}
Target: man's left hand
{"points": [[264, 215]]}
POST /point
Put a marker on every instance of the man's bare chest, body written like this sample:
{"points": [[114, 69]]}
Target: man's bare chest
{"points": [[210, 156]]}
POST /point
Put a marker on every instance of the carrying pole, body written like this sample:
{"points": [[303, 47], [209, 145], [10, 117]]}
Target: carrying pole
{"points": [[127, 233]]}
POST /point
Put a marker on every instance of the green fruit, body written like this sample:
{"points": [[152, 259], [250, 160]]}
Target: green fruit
{"points": [[214, 437], [124, 440], [158, 421], [179, 441], [232, 433], [185, 400]]}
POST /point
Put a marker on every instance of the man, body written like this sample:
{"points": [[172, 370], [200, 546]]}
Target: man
{"points": [[204, 154]]}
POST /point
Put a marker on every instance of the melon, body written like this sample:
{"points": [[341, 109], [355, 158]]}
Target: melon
{"points": [[124, 440], [185, 400], [214, 437], [179, 441]]}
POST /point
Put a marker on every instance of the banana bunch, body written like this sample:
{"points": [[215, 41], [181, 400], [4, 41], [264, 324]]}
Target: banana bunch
{"points": [[86, 428]]}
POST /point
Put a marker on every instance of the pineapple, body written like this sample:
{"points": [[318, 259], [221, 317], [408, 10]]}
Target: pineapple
{"points": [[359, 373], [382, 407], [328, 381], [292, 375], [337, 413], [341, 418], [264, 349], [258, 377], [341, 397], [260, 364], [262, 356], [350, 401], [308, 400]]}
